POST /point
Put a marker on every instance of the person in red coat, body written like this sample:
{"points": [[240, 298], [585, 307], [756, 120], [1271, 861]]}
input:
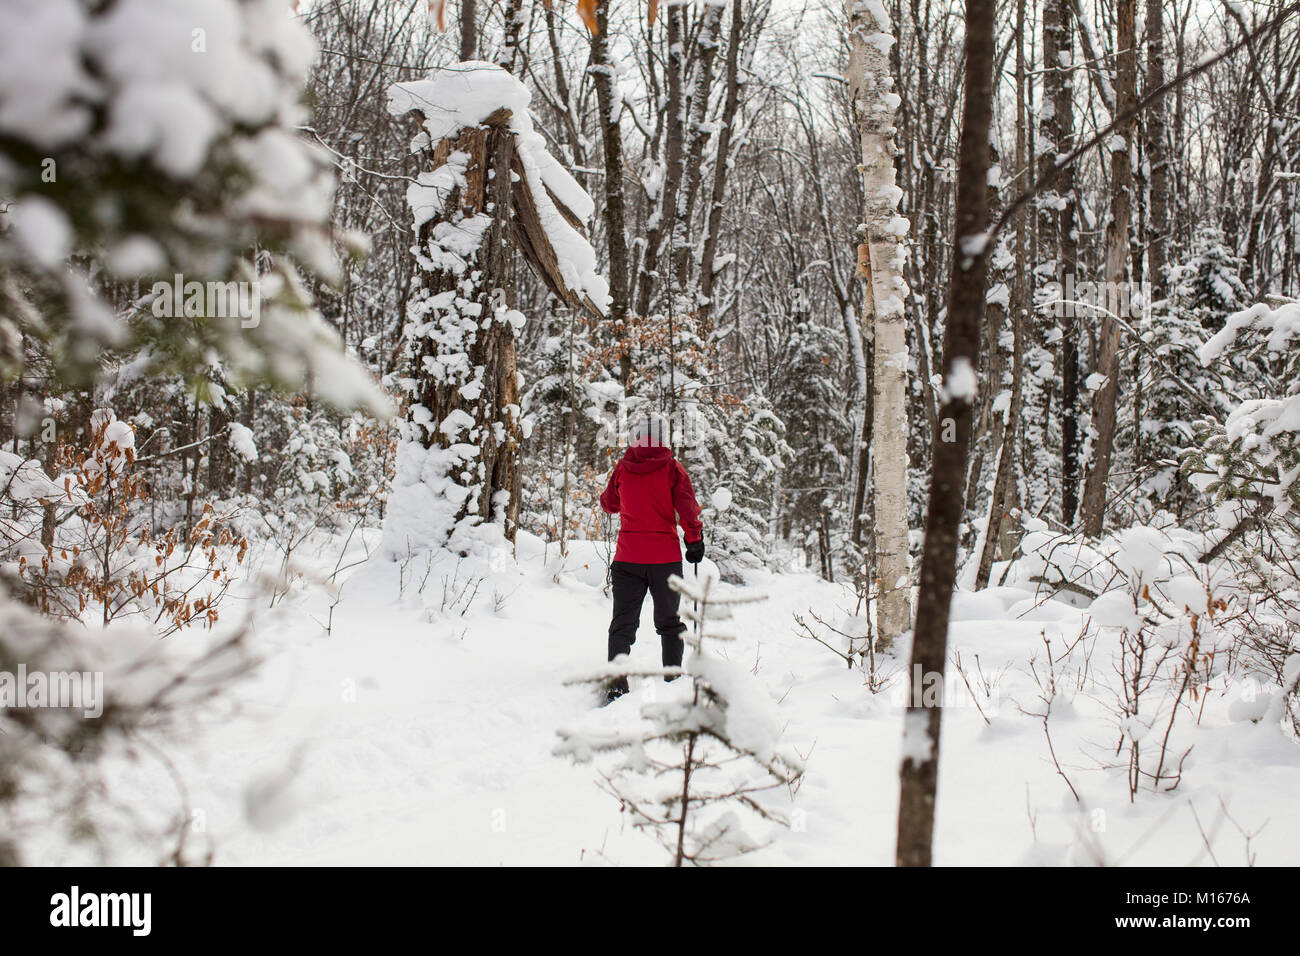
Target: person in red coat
{"points": [[650, 492]]}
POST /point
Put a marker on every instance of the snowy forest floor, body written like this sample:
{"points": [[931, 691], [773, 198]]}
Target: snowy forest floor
{"points": [[420, 729]]}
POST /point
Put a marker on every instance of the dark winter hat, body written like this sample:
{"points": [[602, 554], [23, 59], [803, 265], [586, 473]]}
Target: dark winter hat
{"points": [[651, 430]]}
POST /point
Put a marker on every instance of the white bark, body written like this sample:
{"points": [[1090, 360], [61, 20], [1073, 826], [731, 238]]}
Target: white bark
{"points": [[880, 262]]}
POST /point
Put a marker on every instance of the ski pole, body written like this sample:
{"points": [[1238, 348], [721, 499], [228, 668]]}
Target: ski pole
{"points": [[697, 601]]}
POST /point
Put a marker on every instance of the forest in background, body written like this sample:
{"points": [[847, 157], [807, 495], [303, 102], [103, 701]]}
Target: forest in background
{"points": [[775, 190]]}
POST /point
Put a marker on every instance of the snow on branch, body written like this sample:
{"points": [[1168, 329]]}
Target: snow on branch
{"points": [[1256, 449], [1281, 326]]}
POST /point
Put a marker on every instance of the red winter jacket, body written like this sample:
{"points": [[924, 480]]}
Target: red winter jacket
{"points": [[646, 488]]}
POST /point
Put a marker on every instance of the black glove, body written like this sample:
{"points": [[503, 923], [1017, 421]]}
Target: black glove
{"points": [[695, 551]]}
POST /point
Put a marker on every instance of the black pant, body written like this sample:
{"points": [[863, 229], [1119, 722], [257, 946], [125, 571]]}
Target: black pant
{"points": [[630, 583]]}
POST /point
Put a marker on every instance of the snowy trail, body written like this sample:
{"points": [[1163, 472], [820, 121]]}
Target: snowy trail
{"points": [[444, 756], [411, 735], [403, 740]]}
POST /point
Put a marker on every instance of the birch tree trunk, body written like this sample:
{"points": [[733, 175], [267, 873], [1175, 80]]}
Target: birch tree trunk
{"points": [[1117, 259], [919, 773], [880, 263]]}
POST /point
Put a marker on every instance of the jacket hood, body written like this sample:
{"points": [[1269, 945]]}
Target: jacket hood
{"points": [[641, 460]]}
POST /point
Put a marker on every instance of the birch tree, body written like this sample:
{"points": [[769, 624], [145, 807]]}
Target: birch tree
{"points": [[881, 258]]}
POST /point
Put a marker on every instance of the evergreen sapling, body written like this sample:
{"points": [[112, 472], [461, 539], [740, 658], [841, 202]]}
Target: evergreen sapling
{"points": [[699, 768]]}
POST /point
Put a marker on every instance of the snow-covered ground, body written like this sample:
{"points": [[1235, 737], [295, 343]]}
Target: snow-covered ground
{"points": [[420, 730]]}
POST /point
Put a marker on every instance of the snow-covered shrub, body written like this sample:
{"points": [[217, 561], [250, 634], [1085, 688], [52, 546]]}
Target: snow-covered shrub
{"points": [[1080, 570], [1167, 656], [83, 548], [87, 586], [1168, 618], [1176, 388], [1207, 285], [1177, 614], [89, 694], [149, 139], [695, 771], [143, 144], [1254, 453], [1248, 465], [740, 446], [314, 462], [809, 399], [556, 513], [852, 639]]}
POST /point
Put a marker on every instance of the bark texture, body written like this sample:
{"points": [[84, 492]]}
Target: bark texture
{"points": [[880, 263], [1056, 230], [919, 774], [491, 345], [462, 364], [662, 223], [1117, 260], [721, 164], [615, 208]]}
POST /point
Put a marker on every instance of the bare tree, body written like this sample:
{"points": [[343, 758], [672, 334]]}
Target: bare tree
{"points": [[1002, 497], [722, 152], [614, 208], [1117, 260], [1056, 227], [919, 774], [1157, 147], [664, 220]]}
